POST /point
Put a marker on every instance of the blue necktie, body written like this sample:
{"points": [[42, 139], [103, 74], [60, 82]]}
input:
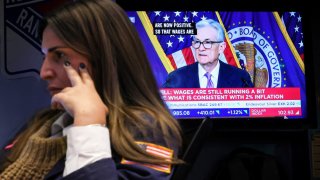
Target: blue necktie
{"points": [[209, 82]]}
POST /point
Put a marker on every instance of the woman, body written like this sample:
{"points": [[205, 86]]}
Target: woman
{"points": [[107, 118]]}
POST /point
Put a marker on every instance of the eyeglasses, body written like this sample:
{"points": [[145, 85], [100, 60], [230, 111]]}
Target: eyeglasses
{"points": [[206, 44]]}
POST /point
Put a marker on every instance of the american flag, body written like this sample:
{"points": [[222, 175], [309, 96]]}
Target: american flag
{"points": [[178, 47], [155, 150], [293, 24]]}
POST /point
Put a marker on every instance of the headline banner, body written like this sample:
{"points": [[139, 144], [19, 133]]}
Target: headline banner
{"points": [[232, 102]]}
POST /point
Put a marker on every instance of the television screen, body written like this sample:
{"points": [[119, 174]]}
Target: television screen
{"points": [[268, 46]]}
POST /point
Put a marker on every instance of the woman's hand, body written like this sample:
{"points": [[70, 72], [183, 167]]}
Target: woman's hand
{"points": [[81, 100]]}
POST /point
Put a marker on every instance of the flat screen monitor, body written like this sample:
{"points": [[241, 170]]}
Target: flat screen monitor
{"points": [[268, 45]]}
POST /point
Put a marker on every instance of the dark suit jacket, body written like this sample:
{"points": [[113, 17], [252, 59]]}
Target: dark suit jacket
{"points": [[107, 169], [112, 168], [187, 77]]}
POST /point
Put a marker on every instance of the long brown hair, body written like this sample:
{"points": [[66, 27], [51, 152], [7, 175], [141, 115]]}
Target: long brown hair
{"points": [[101, 31]]}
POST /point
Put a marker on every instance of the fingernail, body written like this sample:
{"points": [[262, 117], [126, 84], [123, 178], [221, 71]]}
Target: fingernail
{"points": [[66, 63], [82, 66]]}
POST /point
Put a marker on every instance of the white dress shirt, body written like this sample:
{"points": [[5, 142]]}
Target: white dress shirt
{"points": [[85, 144], [203, 79]]}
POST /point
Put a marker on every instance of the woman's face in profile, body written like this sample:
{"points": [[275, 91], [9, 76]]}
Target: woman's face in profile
{"points": [[56, 52]]}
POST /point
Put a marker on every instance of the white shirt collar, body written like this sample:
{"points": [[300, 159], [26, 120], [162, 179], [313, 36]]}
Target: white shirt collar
{"points": [[203, 79], [61, 125]]}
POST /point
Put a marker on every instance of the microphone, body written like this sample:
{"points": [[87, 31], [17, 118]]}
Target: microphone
{"points": [[245, 82]]}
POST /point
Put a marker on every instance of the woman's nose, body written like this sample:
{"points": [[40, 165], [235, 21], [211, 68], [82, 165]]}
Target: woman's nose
{"points": [[46, 72]]}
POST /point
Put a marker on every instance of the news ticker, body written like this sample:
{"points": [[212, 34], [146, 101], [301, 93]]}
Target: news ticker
{"points": [[232, 102]]}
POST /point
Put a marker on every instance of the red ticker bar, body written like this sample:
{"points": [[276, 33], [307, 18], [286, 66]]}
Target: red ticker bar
{"points": [[259, 102]]}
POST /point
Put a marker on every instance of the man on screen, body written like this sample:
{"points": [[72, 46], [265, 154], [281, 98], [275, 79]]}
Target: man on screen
{"points": [[208, 71]]}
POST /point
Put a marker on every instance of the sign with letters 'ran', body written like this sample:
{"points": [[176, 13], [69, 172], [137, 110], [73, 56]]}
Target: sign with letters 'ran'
{"points": [[20, 42]]}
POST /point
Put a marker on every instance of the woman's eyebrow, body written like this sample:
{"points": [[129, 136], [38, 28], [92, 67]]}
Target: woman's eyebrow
{"points": [[45, 51]]}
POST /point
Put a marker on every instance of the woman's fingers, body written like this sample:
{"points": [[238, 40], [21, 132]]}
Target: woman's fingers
{"points": [[55, 102], [72, 74], [85, 76], [76, 78]]}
